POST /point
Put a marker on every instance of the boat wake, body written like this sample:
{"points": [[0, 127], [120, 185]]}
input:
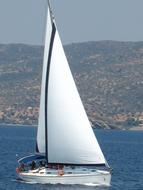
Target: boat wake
{"points": [[22, 181], [60, 185], [91, 184]]}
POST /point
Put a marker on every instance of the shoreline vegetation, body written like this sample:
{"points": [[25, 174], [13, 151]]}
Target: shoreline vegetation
{"points": [[108, 75]]}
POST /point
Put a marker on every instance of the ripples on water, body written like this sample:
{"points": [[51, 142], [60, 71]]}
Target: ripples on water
{"points": [[123, 150]]}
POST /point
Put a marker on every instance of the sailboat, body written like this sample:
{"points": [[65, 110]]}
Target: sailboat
{"points": [[67, 151]]}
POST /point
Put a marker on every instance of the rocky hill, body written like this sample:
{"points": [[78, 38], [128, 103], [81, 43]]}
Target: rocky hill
{"points": [[109, 76]]}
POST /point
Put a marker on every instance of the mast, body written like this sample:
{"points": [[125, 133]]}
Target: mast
{"points": [[51, 12], [47, 77]]}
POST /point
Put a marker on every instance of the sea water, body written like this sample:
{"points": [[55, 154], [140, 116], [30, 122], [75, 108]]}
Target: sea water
{"points": [[122, 149]]}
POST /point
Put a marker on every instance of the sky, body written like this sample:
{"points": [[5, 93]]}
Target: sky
{"points": [[23, 21]]}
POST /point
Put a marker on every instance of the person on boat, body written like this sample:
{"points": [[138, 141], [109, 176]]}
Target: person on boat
{"points": [[33, 165], [42, 163], [22, 167], [60, 170]]}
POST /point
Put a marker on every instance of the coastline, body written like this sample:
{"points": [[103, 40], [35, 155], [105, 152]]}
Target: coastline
{"points": [[122, 129], [136, 129], [16, 125]]}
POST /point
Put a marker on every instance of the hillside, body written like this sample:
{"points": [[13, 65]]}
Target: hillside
{"points": [[109, 76]]}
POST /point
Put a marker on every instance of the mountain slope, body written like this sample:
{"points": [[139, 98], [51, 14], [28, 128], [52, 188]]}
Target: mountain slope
{"points": [[109, 76]]}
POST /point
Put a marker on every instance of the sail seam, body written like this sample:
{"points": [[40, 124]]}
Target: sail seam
{"points": [[46, 88]]}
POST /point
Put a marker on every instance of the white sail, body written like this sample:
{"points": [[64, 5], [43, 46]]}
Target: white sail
{"points": [[41, 121], [70, 138]]}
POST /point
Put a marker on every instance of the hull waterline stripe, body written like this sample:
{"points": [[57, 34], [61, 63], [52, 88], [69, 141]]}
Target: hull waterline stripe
{"points": [[46, 88]]}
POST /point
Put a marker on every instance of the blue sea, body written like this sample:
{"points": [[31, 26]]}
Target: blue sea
{"points": [[122, 149]]}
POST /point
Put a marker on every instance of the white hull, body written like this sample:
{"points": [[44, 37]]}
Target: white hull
{"points": [[96, 178]]}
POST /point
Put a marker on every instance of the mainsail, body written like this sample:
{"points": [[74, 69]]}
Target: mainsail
{"points": [[64, 132]]}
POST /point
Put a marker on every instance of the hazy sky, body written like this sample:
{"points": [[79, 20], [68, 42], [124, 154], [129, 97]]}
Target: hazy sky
{"points": [[23, 21]]}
